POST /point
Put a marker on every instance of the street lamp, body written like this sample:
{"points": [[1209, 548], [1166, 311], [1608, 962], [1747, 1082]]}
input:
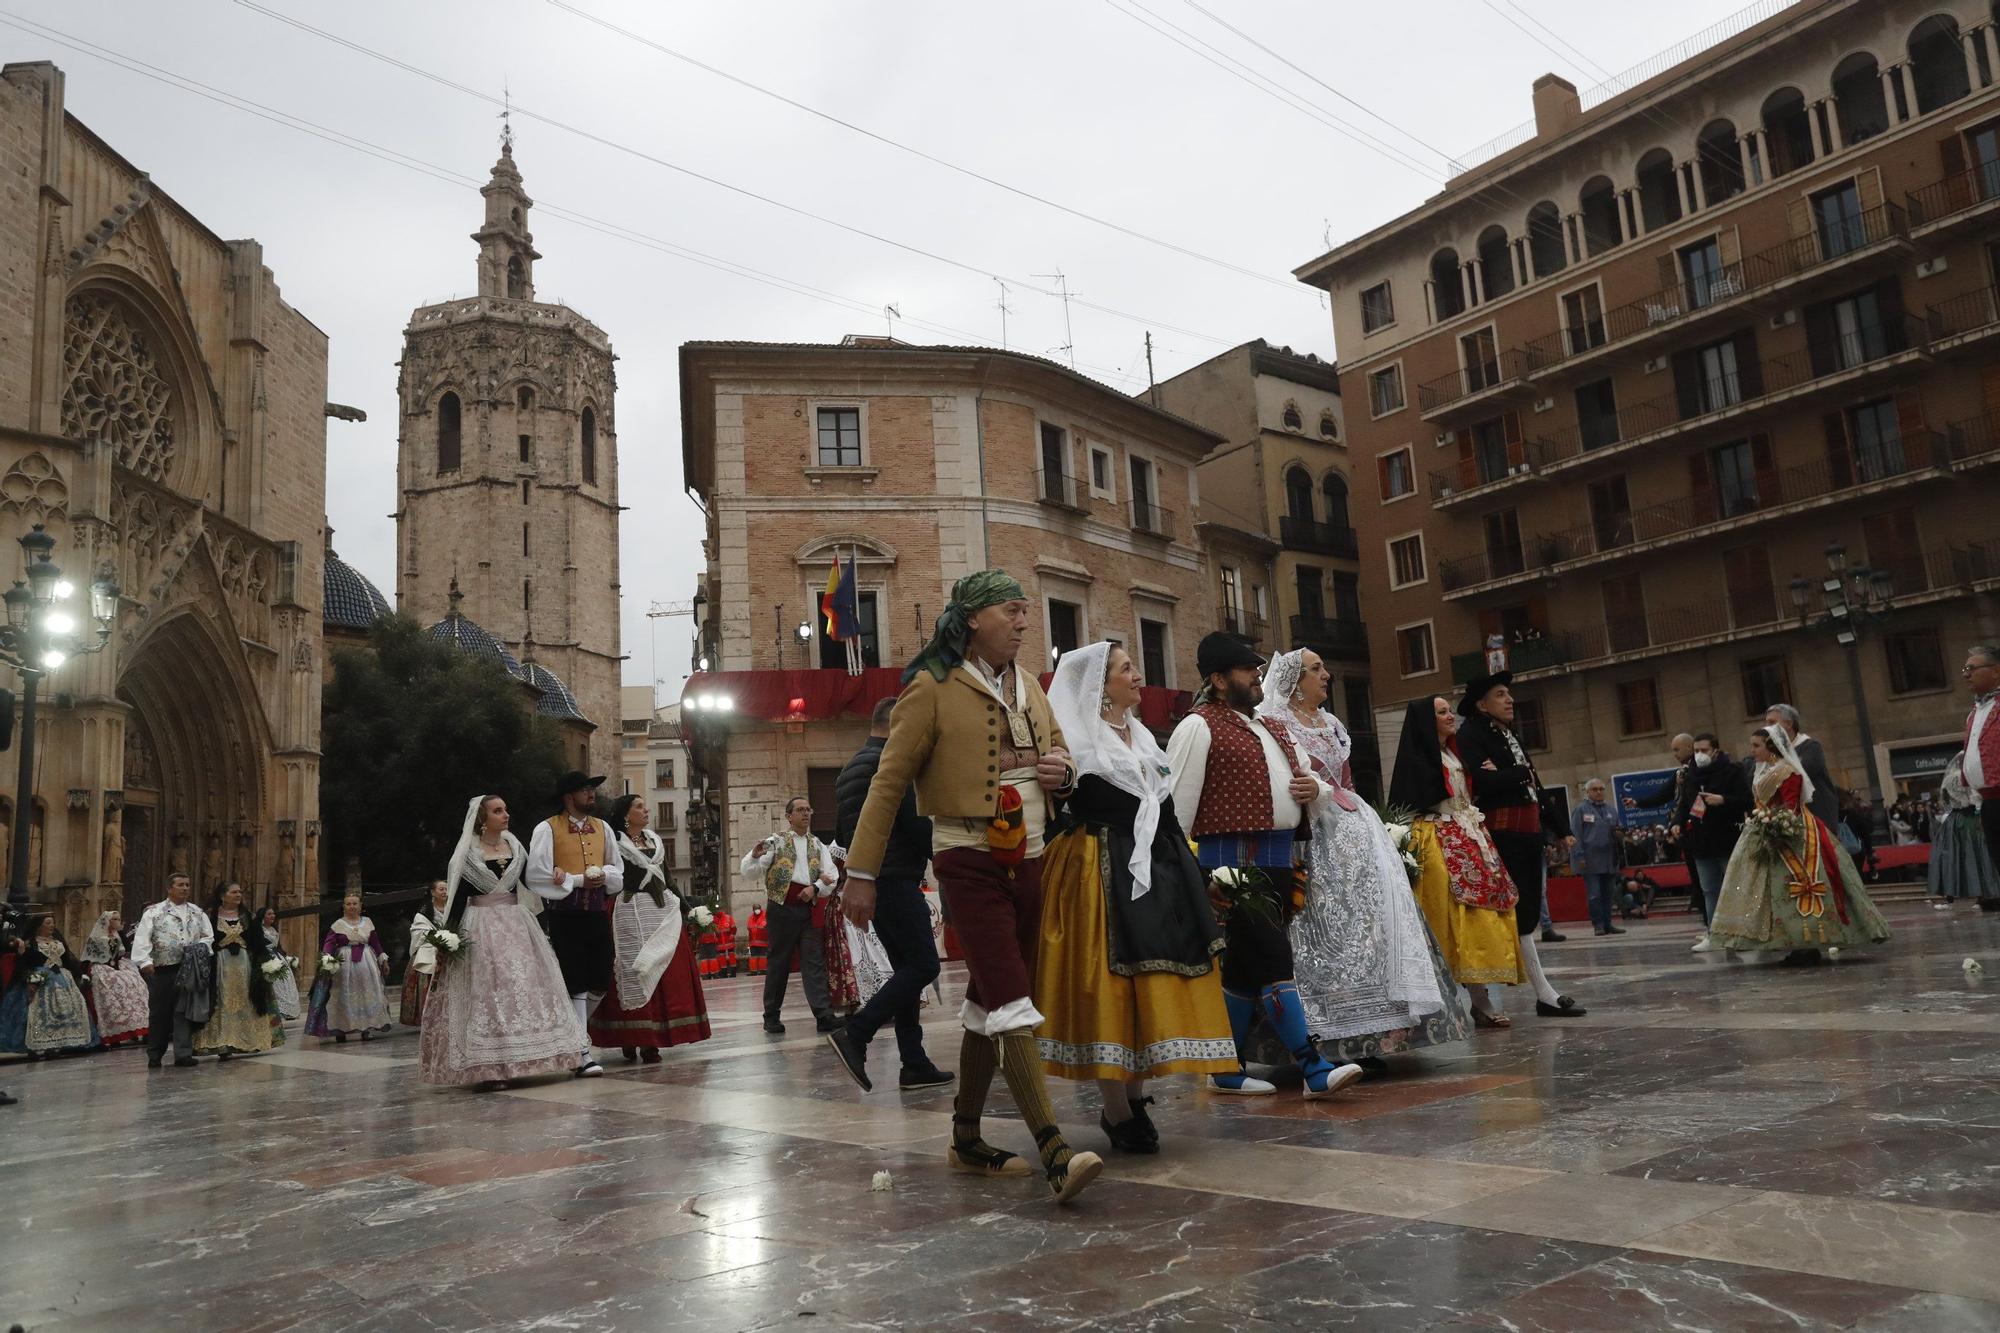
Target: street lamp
{"points": [[39, 637], [1854, 599]]}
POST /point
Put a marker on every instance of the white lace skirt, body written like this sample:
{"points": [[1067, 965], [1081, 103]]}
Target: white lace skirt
{"points": [[502, 1011]]}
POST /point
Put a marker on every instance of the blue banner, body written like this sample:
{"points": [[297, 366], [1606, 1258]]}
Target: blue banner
{"points": [[1644, 798]]}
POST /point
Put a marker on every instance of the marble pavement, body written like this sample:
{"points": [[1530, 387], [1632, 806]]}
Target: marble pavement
{"points": [[1719, 1145]]}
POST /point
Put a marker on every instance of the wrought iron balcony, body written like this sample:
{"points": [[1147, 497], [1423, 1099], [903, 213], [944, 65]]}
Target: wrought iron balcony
{"points": [[1461, 392], [1150, 520], [1959, 200], [1060, 490], [1962, 320], [1536, 651], [1307, 534], [1245, 625], [1342, 640]]}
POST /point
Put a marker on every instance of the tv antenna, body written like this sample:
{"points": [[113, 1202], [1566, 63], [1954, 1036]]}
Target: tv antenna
{"points": [[891, 314], [1004, 309], [1068, 347]]}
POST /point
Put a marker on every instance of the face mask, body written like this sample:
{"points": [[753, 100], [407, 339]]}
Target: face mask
{"points": [[1702, 758]]}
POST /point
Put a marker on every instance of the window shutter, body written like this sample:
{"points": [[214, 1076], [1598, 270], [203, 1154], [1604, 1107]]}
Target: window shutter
{"points": [[1770, 487], [1698, 476], [1670, 271], [1798, 217], [1749, 372], [1687, 383], [1468, 466], [1729, 244], [1510, 428], [1839, 464], [1868, 186]]}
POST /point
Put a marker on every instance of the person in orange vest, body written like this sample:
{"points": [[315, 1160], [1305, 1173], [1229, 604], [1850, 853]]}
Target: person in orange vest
{"points": [[573, 862], [709, 946], [760, 941], [725, 942]]}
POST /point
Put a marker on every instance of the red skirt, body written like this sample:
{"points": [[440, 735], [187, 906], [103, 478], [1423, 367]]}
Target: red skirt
{"points": [[675, 1015]]}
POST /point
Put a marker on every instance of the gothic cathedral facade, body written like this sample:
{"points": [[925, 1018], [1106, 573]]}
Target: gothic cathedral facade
{"points": [[507, 468]]}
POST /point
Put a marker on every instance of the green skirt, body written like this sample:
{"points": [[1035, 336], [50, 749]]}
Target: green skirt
{"points": [[1771, 901]]}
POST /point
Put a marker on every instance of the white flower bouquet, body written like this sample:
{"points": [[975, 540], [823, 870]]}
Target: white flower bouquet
{"points": [[1250, 888], [273, 967], [701, 917], [447, 943], [328, 964], [292, 963], [1398, 821]]}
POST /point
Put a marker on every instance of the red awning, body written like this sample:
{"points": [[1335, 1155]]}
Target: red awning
{"points": [[817, 696]]}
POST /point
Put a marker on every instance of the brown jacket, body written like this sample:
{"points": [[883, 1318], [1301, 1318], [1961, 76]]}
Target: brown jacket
{"points": [[945, 736]]}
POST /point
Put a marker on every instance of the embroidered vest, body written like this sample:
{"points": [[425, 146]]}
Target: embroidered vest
{"points": [[778, 877], [1236, 790], [575, 853]]}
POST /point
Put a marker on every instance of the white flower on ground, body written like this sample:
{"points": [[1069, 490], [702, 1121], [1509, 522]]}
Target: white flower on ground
{"points": [[882, 1182], [1972, 965]]}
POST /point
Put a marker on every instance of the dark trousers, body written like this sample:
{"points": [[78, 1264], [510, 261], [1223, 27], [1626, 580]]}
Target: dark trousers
{"points": [[1989, 824], [1602, 887], [1526, 865], [162, 1023], [792, 932], [997, 912], [903, 924]]}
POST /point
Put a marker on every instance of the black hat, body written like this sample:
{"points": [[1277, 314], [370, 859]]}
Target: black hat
{"points": [[575, 781], [1223, 651], [1478, 688]]}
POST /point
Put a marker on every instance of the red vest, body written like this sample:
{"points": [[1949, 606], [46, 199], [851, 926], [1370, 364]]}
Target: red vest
{"points": [[1987, 745], [1236, 789]]}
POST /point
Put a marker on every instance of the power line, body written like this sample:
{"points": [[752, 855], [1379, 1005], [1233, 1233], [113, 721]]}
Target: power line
{"points": [[1287, 283], [705, 178], [1650, 112]]}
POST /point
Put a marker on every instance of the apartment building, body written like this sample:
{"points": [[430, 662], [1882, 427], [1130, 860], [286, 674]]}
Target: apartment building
{"points": [[920, 465], [1686, 403]]}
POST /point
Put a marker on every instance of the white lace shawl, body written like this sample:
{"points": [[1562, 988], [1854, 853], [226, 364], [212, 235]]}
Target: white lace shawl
{"points": [[1139, 769]]}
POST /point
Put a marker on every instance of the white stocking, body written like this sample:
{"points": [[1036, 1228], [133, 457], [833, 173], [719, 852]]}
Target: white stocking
{"points": [[1532, 961], [582, 1003]]}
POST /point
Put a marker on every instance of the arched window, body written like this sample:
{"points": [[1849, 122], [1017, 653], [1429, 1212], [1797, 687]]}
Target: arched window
{"points": [[515, 214], [1598, 204], [1659, 190], [1858, 98], [589, 446], [1335, 490], [1293, 421], [1329, 428], [1496, 262], [1546, 252], [1937, 63], [1788, 130], [1447, 283], [1299, 493], [524, 398], [517, 280], [1719, 158], [448, 433]]}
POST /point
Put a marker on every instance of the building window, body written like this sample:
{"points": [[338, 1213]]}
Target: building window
{"points": [[1503, 544], [1378, 308], [1746, 581], [1916, 661], [1360, 713], [1719, 160], [1346, 597], [524, 540], [1713, 380], [1294, 420], [663, 774], [1415, 652], [663, 817], [1496, 262], [1398, 474], [1597, 203], [1765, 680], [839, 430], [1837, 218], [1385, 391], [526, 444], [1146, 514], [1546, 252], [1877, 432], [1232, 600], [1857, 333], [1489, 449], [1611, 513], [1299, 493], [1153, 655], [1733, 467], [1334, 488], [1531, 723], [524, 492], [1937, 63], [1659, 190], [1447, 284], [1638, 707], [1583, 319], [1701, 273], [527, 594], [1258, 603], [1055, 465], [524, 399], [628, 743], [833, 652], [1065, 625], [448, 433], [1406, 560], [1311, 595], [1480, 351], [1329, 429], [1103, 476], [1787, 130], [589, 446]]}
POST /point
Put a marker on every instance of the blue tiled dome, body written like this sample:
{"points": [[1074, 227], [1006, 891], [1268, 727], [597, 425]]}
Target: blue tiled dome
{"points": [[556, 700], [349, 600], [467, 636]]}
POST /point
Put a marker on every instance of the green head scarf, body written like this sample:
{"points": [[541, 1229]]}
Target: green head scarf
{"points": [[969, 596]]}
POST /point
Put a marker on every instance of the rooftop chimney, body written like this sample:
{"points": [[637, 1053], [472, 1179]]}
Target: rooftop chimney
{"points": [[1557, 106]]}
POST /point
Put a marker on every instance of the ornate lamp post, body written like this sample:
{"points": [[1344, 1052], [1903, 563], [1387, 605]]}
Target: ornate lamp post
{"points": [[1855, 599], [39, 636]]}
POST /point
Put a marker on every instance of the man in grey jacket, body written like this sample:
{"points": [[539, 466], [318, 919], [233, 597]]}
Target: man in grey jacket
{"points": [[1825, 803]]}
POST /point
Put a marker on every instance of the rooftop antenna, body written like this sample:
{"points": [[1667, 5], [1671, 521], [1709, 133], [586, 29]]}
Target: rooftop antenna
{"points": [[891, 314], [1152, 386], [1062, 289], [1005, 310]]}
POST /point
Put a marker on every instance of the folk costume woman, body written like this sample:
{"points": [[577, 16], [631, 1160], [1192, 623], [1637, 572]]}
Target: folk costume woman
{"points": [[502, 1011], [117, 991], [1370, 977], [240, 1014], [285, 983], [1961, 867], [655, 998], [354, 999], [1126, 976], [1791, 889], [1462, 886], [423, 956], [43, 1010]]}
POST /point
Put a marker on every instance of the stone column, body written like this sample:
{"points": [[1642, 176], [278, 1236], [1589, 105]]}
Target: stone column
{"points": [[1572, 237], [1687, 179], [1969, 39], [1893, 94], [1628, 213], [1475, 293], [1836, 131], [1820, 148], [1989, 38], [1751, 157]]}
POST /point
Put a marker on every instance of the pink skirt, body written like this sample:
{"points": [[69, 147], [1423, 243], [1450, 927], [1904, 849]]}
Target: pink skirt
{"points": [[501, 1011]]}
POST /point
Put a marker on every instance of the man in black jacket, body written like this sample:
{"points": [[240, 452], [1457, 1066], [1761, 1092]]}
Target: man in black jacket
{"points": [[1518, 816], [1714, 800], [895, 902]]}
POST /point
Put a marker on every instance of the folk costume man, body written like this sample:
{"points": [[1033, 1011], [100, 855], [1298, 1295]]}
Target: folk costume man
{"points": [[975, 734], [797, 870], [1508, 792], [1982, 741], [1241, 785], [574, 851], [165, 931]]}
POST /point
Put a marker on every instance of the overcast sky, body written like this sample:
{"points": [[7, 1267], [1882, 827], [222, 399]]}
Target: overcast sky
{"points": [[1073, 100]]}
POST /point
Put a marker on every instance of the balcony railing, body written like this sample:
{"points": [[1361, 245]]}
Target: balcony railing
{"points": [[1346, 640], [1059, 489], [1504, 367], [1243, 624], [1955, 194], [1904, 454], [1975, 441], [1469, 474], [1969, 312], [1306, 534], [1150, 520], [1536, 651]]}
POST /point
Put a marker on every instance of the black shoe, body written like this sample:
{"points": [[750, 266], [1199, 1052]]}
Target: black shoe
{"points": [[913, 1078], [630, 1053], [1564, 1007], [152, 1062], [224, 1055], [1550, 937], [340, 1038], [1614, 930], [828, 1023], [1602, 930], [7, 1099], [774, 1026], [853, 1057], [184, 1061], [1801, 958], [1144, 1121], [1128, 1135], [1374, 1064]]}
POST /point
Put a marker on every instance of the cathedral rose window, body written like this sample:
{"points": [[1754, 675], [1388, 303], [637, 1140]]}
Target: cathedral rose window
{"points": [[113, 387]]}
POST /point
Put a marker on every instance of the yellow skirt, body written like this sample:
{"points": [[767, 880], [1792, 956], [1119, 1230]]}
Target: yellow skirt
{"points": [[1096, 1023], [1479, 944]]}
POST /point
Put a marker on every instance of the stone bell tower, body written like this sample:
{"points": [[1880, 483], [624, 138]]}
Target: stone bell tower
{"points": [[507, 467]]}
